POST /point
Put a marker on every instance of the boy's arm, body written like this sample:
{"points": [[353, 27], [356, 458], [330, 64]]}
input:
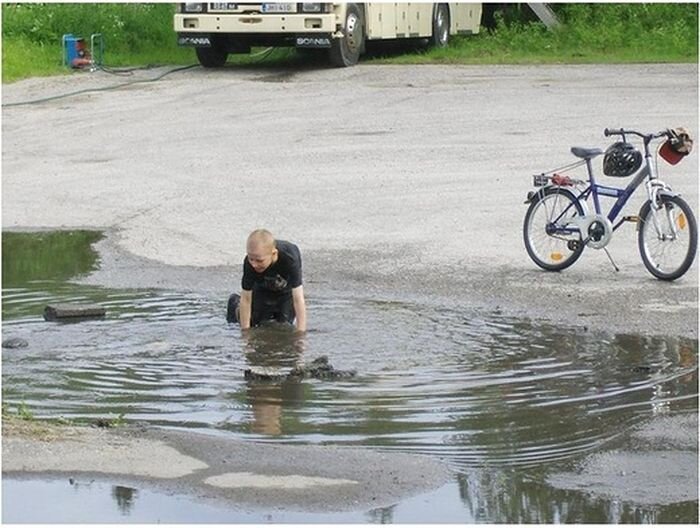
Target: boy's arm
{"points": [[245, 308], [299, 307]]}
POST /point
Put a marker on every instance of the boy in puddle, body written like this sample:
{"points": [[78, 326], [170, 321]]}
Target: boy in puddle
{"points": [[272, 288]]}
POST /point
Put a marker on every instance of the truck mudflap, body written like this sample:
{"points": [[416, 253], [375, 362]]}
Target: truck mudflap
{"points": [[198, 41], [313, 41]]}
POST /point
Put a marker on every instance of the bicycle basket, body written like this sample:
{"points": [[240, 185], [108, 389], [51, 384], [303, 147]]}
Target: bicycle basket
{"points": [[677, 147]]}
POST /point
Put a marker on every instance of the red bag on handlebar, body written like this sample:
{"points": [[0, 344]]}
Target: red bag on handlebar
{"points": [[677, 147]]}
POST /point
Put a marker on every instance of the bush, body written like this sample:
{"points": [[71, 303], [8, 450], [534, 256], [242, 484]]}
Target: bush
{"points": [[663, 26], [588, 33], [124, 27]]}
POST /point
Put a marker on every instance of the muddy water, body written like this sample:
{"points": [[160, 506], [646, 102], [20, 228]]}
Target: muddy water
{"points": [[502, 401]]}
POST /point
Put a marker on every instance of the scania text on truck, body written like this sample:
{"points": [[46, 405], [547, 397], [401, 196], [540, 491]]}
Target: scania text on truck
{"points": [[216, 29]]}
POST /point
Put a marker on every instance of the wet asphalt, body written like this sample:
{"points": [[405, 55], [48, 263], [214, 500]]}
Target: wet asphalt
{"points": [[223, 471]]}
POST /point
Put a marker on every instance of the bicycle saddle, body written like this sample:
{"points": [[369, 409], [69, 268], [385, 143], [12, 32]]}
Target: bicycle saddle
{"points": [[586, 153]]}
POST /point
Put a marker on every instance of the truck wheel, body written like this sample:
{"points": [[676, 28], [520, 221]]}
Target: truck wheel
{"points": [[213, 57], [441, 26], [346, 51]]}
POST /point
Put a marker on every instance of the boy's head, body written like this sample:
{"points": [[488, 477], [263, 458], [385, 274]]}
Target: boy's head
{"points": [[261, 250]]}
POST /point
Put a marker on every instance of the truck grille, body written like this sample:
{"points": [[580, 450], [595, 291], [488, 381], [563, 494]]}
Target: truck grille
{"points": [[252, 7]]}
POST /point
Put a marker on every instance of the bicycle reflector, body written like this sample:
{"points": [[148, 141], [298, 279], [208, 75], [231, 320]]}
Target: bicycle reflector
{"points": [[676, 147]]}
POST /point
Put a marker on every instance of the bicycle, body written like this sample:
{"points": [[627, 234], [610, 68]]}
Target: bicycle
{"points": [[558, 225]]}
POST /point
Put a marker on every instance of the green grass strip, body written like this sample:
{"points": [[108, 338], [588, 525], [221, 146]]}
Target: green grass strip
{"points": [[142, 34]]}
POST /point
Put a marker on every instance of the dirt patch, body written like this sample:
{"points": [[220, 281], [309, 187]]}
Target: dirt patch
{"points": [[13, 427], [301, 478]]}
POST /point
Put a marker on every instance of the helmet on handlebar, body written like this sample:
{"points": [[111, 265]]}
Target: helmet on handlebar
{"points": [[679, 145], [621, 159]]}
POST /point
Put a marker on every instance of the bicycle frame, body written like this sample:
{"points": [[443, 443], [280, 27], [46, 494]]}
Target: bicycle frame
{"points": [[623, 195], [565, 214]]}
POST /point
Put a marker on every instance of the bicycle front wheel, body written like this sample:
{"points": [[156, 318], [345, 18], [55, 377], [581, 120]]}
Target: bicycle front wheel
{"points": [[668, 237], [551, 240]]}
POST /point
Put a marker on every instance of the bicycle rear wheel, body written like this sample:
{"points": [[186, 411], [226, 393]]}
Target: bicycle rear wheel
{"points": [[668, 238], [550, 239]]}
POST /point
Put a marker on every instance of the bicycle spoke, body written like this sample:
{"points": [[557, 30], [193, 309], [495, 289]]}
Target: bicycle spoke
{"points": [[666, 240], [547, 235]]}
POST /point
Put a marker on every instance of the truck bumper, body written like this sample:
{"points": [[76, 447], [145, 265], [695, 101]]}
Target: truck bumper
{"points": [[259, 24]]}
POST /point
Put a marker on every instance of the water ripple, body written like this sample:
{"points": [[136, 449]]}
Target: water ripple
{"points": [[475, 390]]}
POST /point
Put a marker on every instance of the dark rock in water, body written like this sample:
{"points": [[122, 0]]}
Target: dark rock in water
{"points": [[69, 311], [319, 368], [15, 342], [264, 374]]}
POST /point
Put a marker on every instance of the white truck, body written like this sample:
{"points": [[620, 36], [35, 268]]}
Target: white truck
{"points": [[216, 29]]}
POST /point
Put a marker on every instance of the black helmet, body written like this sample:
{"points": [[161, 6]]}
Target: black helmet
{"points": [[621, 159]]}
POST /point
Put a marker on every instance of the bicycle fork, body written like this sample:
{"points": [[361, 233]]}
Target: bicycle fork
{"points": [[655, 190]]}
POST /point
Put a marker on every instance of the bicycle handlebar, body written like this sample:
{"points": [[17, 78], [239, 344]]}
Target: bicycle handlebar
{"points": [[613, 132], [647, 137]]}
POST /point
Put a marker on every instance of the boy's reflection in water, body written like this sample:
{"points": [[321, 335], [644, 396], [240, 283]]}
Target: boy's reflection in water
{"points": [[275, 346]]}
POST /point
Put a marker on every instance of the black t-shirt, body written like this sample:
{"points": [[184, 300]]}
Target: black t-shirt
{"points": [[280, 277]]}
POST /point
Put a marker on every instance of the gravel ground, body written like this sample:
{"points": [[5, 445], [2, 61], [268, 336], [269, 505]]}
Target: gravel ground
{"points": [[394, 180]]}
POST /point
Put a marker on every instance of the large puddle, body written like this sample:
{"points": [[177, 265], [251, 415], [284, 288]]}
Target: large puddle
{"points": [[503, 401]]}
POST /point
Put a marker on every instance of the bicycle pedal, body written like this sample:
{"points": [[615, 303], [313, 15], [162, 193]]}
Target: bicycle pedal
{"points": [[631, 218]]}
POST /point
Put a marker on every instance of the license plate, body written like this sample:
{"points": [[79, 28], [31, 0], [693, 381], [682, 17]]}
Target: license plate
{"points": [[222, 6], [287, 7]]}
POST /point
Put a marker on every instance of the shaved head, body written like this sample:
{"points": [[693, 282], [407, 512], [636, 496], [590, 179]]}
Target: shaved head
{"points": [[261, 250], [261, 239]]}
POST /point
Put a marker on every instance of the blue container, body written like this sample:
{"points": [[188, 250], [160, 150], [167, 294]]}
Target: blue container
{"points": [[73, 48]]}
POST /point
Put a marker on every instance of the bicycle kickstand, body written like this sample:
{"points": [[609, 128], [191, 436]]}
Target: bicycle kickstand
{"points": [[611, 259]]}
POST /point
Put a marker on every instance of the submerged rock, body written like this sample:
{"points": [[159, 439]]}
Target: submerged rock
{"points": [[15, 342], [70, 311], [319, 368], [265, 374]]}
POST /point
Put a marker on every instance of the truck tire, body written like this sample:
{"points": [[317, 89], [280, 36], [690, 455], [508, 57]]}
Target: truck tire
{"points": [[214, 57], [441, 26], [346, 51]]}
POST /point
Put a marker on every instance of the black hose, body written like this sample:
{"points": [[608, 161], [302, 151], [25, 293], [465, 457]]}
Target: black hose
{"points": [[103, 89]]}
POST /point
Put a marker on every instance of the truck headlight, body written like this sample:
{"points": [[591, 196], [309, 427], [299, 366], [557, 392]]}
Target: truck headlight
{"points": [[193, 7], [311, 7]]}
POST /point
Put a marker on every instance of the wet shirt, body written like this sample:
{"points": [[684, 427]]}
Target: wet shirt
{"points": [[280, 277]]}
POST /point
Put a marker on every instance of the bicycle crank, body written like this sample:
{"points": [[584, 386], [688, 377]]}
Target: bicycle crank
{"points": [[596, 229]]}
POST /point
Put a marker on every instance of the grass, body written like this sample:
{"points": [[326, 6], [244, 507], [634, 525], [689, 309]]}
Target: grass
{"points": [[23, 415], [590, 33], [142, 34], [134, 35]]}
